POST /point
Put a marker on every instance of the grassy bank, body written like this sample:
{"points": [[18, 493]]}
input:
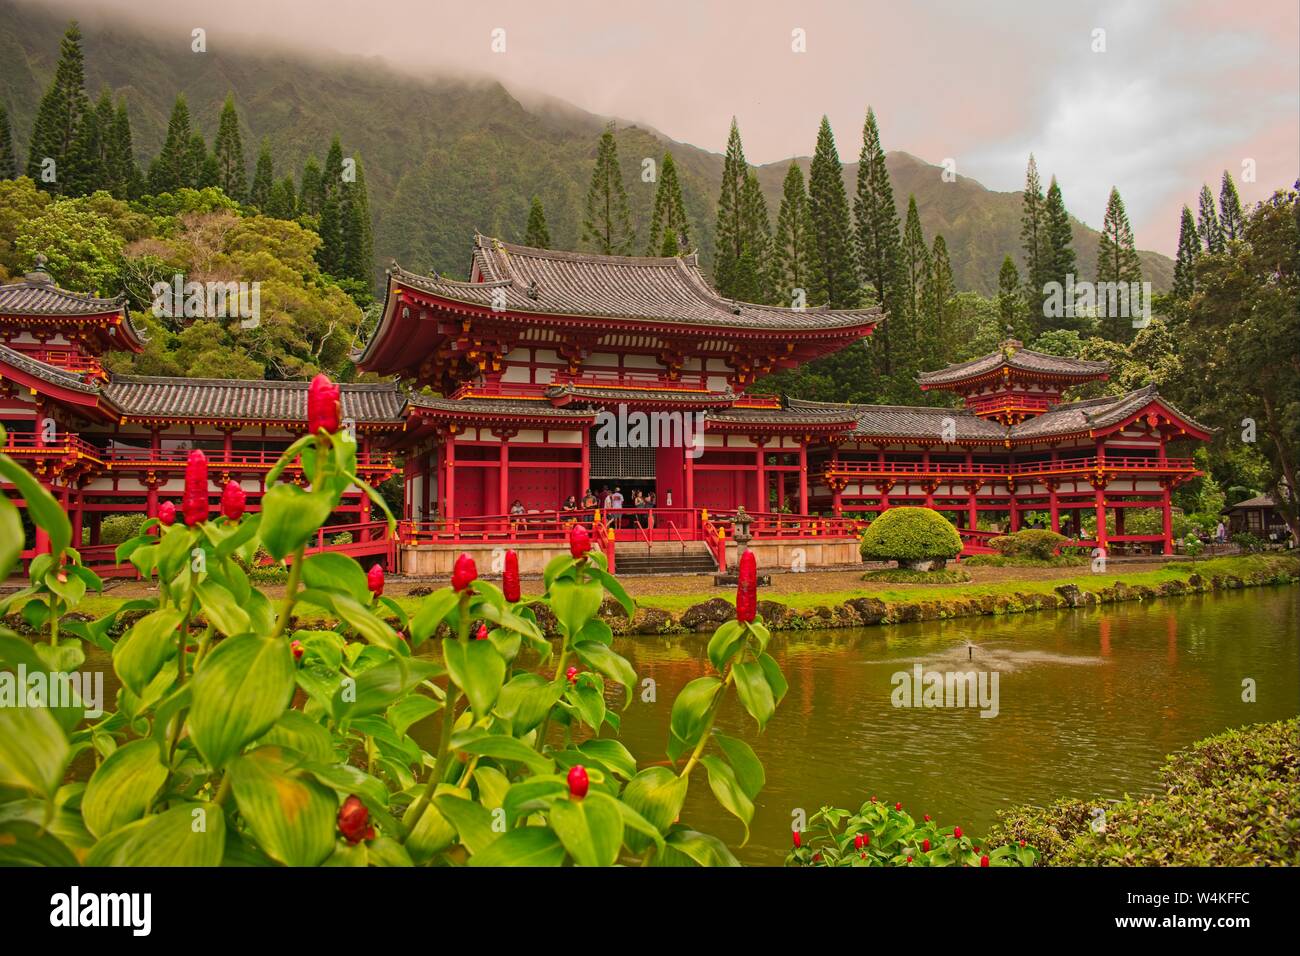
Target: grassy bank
{"points": [[1229, 800]]}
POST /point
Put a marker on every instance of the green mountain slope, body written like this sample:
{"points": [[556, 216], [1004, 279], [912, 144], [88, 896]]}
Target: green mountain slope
{"points": [[446, 156]]}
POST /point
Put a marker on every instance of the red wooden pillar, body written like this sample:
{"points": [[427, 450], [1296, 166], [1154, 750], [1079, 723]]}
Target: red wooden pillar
{"points": [[1100, 499], [1055, 509], [450, 467], [972, 507], [760, 483], [584, 478], [227, 443], [803, 476], [690, 480], [503, 477], [1166, 521], [76, 515]]}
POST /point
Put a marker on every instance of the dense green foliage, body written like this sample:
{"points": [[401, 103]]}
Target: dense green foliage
{"points": [[1035, 543], [908, 576], [1230, 800], [910, 535], [205, 760]]}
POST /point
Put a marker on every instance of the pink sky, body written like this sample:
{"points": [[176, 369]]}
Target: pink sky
{"points": [[1182, 91]]}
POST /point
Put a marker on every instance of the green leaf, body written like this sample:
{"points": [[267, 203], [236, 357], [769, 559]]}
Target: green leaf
{"points": [[411, 709], [743, 760], [375, 688], [690, 713], [591, 829], [123, 787], [240, 690], [611, 754], [500, 747], [526, 700], [614, 587], [331, 571], [11, 536], [613, 665], [433, 833], [529, 846], [657, 794], [754, 691], [221, 609], [575, 604], [472, 822], [294, 730], [27, 843], [775, 679], [589, 699], [42, 506], [478, 669], [290, 813], [142, 651], [725, 786], [703, 849], [532, 794], [726, 640], [290, 516], [598, 631], [433, 611], [190, 834], [71, 590], [33, 750], [366, 623]]}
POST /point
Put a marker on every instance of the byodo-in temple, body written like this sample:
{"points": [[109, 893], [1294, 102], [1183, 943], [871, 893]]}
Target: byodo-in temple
{"points": [[548, 374]]}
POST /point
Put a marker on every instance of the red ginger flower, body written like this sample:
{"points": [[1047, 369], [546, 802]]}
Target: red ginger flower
{"points": [[956, 832], [510, 577], [232, 501], [579, 542], [464, 573], [167, 513], [482, 633], [324, 409], [375, 580], [571, 675], [984, 861], [796, 839], [297, 648], [195, 502], [354, 821], [578, 781], [859, 842], [898, 806], [747, 588], [925, 845]]}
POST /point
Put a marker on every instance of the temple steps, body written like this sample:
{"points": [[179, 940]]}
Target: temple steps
{"points": [[666, 558]]}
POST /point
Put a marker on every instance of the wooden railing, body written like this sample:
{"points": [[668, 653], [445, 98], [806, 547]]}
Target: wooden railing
{"points": [[872, 469], [26, 444]]}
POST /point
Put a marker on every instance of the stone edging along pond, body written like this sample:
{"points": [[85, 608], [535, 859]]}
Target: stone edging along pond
{"points": [[869, 611]]}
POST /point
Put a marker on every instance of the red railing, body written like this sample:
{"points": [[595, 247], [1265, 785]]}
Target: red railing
{"points": [[771, 524], [128, 456], [70, 360], [25, 444], [716, 539], [1005, 402], [871, 469]]}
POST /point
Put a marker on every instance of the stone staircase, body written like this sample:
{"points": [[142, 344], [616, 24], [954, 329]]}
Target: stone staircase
{"points": [[664, 557]]}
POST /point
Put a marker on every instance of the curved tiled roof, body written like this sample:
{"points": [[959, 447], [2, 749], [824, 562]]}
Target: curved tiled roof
{"points": [[600, 395], [1094, 413], [45, 372], [496, 406], [811, 414], [1019, 359], [38, 297], [243, 399], [637, 288]]}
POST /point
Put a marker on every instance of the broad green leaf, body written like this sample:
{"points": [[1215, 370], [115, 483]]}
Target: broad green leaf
{"points": [[240, 690], [189, 834], [591, 829], [375, 688], [726, 640], [146, 647], [478, 669], [411, 709], [598, 631], [587, 697], [33, 750], [331, 571], [492, 785], [472, 822], [290, 516], [526, 700], [294, 730], [613, 586], [611, 754], [725, 786], [691, 713], [703, 849], [508, 748], [123, 787], [575, 604], [42, 506], [743, 760], [221, 608], [432, 611], [367, 623], [528, 846], [71, 589], [657, 794], [754, 691], [531, 794], [27, 843], [11, 536], [775, 679], [433, 833], [290, 813], [613, 665]]}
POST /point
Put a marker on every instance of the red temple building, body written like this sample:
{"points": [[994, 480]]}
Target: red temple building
{"points": [[551, 373]]}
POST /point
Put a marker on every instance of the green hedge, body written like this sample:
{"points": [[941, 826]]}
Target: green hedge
{"points": [[909, 535], [1034, 543], [1229, 800]]}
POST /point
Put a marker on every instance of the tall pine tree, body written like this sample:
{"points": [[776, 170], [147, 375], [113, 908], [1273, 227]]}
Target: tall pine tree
{"points": [[1232, 222], [939, 290], [792, 248], [1117, 262], [330, 253], [312, 195], [1058, 254], [8, 164], [1207, 222], [607, 223], [59, 117], [1189, 250], [282, 203], [753, 277], [89, 170], [125, 179], [358, 237], [668, 225], [1033, 238], [908, 339], [1011, 300], [259, 194], [174, 168], [535, 232], [228, 148], [876, 220], [729, 232], [834, 271]]}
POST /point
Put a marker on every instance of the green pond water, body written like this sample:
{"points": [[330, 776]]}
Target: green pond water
{"points": [[1089, 703]]}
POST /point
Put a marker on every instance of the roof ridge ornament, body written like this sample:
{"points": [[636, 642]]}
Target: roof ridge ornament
{"points": [[38, 275]]}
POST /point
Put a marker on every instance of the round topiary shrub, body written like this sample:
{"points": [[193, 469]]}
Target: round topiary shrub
{"points": [[1038, 544], [115, 529], [912, 537]]}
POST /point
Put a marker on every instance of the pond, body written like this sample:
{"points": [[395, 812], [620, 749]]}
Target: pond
{"points": [[1089, 704]]}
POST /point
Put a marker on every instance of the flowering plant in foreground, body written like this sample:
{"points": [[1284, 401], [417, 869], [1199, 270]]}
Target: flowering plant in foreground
{"points": [[881, 835], [290, 741]]}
